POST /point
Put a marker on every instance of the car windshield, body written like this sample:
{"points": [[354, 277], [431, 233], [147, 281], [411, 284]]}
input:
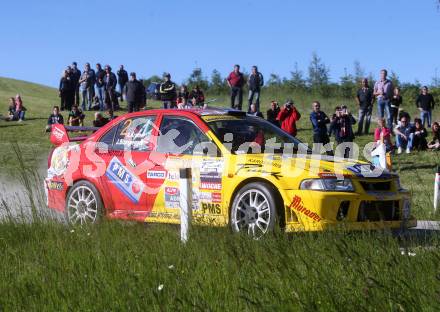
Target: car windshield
{"points": [[251, 135]]}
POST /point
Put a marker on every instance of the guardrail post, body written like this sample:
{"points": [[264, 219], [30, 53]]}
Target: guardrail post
{"points": [[185, 203], [436, 188]]}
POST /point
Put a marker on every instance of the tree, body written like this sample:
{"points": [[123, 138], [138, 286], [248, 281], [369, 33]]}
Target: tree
{"points": [[347, 85], [217, 84], [196, 78], [297, 80], [394, 79], [274, 80], [318, 72], [436, 79], [359, 72]]}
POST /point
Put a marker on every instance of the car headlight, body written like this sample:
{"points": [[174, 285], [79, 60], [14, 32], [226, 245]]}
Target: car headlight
{"points": [[334, 185]]}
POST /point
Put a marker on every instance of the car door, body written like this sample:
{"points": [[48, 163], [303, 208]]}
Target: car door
{"points": [[127, 162], [181, 143]]}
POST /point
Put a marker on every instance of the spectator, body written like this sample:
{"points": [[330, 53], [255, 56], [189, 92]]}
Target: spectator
{"points": [[85, 86], [402, 113], [168, 92], [365, 100], [122, 80], [272, 113], [100, 85], [75, 74], [342, 125], [425, 103], [404, 135], [288, 116], [420, 134], [383, 91], [19, 108], [235, 82], [11, 110], [76, 117], [319, 122], [197, 97], [66, 91], [110, 81], [255, 82], [396, 101], [434, 144], [54, 118], [182, 96], [100, 120], [382, 134], [134, 93], [254, 111]]}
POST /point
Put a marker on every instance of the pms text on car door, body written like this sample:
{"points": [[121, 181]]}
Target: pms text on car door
{"points": [[184, 144], [127, 162]]}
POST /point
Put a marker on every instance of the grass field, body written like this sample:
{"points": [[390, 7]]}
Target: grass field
{"points": [[122, 265]]}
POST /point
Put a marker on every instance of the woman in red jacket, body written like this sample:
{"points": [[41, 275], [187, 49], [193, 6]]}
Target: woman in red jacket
{"points": [[288, 116]]}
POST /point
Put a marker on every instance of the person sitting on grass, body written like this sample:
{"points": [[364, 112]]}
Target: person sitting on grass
{"points": [[76, 117], [382, 134], [434, 144], [404, 135], [11, 110], [54, 118], [100, 120], [420, 134], [19, 108]]}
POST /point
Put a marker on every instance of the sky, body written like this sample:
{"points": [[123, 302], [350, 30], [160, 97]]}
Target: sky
{"points": [[38, 39]]}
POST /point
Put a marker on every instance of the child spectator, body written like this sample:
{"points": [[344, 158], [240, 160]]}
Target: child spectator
{"points": [[396, 101], [420, 134], [382, 134], [76, 117], [11, 110], [404, 135], [197, 96], [54, 118], [272, 113], [100, 120], [19, 108], [288, 116], [434, 144]]}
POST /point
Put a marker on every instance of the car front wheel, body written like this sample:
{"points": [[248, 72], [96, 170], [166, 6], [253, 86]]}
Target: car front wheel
{"points": [[253, 210], [83, 204]]}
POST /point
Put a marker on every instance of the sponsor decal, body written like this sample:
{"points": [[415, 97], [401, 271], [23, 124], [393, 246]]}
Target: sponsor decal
{"points": [[172, 197], [213, 197], [173, 175], [59, 134], [164, 215], [211, 208], [298, 205], [131, 163], [156, 174], [216, 197], [59, 161], [211, 171], [331, 175], [210, 186], [54, 185], [127, 182]]}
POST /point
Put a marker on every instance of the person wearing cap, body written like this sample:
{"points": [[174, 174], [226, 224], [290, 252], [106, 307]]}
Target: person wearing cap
{"points": [[134, 92], [122, 80], [236, 82], [288, 116], [255, 82], [168, 92]]}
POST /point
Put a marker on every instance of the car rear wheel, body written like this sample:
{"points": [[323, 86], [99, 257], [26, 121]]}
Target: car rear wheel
{"points": [[83, 204], [254, 210]]}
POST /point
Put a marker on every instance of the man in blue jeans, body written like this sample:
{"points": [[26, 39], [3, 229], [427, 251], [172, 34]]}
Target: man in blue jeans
{"points": [[255, 82], [383, 91], [425, 103], [100, 85], [404, 135]]}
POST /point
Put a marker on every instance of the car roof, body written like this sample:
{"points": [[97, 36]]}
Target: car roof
{"points": [[196, 111]]}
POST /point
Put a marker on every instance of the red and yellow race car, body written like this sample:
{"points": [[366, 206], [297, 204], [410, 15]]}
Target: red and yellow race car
{"points": [[246, 173]]}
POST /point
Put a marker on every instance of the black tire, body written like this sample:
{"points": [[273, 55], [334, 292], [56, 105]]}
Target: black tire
{"points": [[254, 210], [83, 204]]}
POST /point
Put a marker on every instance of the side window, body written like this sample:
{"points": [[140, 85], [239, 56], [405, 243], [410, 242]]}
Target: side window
{"points": [[134, 134], [108, 137], [180, 136]]}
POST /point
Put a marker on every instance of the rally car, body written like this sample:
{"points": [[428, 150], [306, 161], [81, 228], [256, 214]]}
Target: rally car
{"points": [[246, 174]]}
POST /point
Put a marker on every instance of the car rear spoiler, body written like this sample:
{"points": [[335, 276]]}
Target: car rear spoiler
{"points": [[59, 136]]}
